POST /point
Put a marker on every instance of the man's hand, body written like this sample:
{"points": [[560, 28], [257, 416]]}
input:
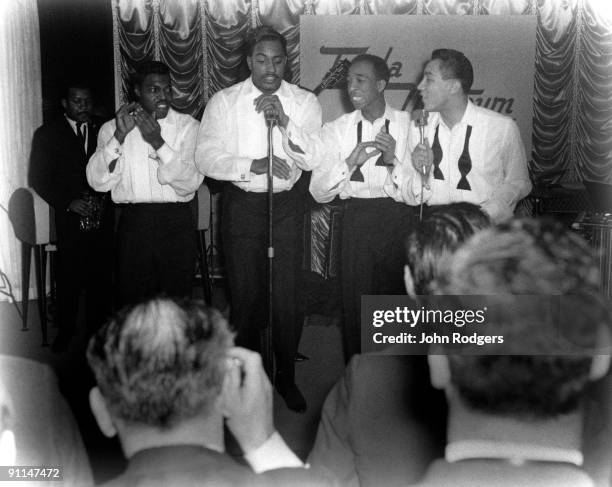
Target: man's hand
{"points": [[124, 121], [360, 154], [385, 143], [149, 128], [80, 207], [280, 168], [271, 106], [248, 399], [422, 158]]}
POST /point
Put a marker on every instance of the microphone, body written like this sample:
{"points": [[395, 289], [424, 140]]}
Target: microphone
{"points": [[421, 123], [271, 117]]}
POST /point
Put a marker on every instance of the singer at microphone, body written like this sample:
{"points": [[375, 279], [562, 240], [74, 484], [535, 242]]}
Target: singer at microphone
{"points": [[233, 146]]}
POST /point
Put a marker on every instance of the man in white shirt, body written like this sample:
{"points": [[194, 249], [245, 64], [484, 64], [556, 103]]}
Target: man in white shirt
{"points": [[469, 153], [233, 146], [145, 157], [360, 150], [168, 376]]}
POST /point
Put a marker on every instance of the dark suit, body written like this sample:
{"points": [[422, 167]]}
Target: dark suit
{"points": [[190, 466], [57, 173], [381, 424]]}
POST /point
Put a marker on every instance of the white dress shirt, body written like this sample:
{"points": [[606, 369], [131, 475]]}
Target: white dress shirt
{"points": [[233, 134], [498, 178], [336, 142], [143, 175]]}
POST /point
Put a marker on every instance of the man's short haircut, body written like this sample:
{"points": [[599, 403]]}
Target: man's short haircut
{"points": [[443, 229], [71, 84], [161, 362], [263, 33], [379, 65], [454, 64], [149, 67], [528, 257]]}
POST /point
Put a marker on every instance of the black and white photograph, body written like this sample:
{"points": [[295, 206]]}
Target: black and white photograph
{"points": [[341, 243]]}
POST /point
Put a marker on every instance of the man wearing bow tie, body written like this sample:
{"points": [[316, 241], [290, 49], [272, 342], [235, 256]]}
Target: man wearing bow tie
{"points": [[83, 217], [360, 151], [469, 153]]}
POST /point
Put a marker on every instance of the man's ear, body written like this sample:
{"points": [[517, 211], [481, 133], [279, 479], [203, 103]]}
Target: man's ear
{"points": [[409, 282], [439, 370], [100, 412], [381, 84], [456, 87]]}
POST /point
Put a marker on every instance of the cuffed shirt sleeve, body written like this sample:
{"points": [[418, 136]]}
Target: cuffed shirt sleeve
{"points": [[272, 454], [108, 150], [211, 156], [177, 164], [515, 183]]}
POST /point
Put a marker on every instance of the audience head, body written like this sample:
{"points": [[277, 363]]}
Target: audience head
{"points": [[443, 229], [153, 88], [77, 101], [158, 364], [447, 76], [366, 80], [267, 58], [527, 257]]}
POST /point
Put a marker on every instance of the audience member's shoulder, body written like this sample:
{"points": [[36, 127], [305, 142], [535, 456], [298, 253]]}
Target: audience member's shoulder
{"points": [[18, 369]]}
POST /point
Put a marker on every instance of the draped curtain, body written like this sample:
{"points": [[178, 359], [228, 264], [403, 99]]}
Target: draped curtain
{"points": [[202, 41], [21, 99]]}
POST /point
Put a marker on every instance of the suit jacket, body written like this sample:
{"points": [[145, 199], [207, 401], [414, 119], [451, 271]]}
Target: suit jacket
{"points": [[57, 173], [192, 466], [45, 430], [58, 161], [382, 423]]}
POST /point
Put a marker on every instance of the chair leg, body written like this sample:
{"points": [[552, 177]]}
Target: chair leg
{"points": [[26, 259], [52, 261], [204, 273], [41, 288]]}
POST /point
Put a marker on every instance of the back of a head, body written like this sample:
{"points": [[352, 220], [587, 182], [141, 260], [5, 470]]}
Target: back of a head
{"points": [[454, 64], [527, 257], [161, 362], [443, 229]]}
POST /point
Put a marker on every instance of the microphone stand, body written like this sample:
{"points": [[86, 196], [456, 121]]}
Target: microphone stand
{"points": [[423, 175], [267, 338]]}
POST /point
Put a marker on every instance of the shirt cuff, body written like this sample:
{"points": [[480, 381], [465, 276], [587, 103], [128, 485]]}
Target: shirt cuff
{"points": [[113, 149], [273, 454], [165, 153]]}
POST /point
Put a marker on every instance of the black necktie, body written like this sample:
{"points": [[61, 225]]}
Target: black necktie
{"points": [[437, 157], [465, 162], [81, 127], [381, 159], [357, 174]]}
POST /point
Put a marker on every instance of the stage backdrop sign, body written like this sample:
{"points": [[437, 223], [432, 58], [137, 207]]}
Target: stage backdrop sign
{"points": [[501, 49]]}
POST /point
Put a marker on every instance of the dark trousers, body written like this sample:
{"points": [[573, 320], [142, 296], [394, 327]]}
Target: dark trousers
{"points": [[156, 251], [245, 243], [373, 258], [84, 263]]}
